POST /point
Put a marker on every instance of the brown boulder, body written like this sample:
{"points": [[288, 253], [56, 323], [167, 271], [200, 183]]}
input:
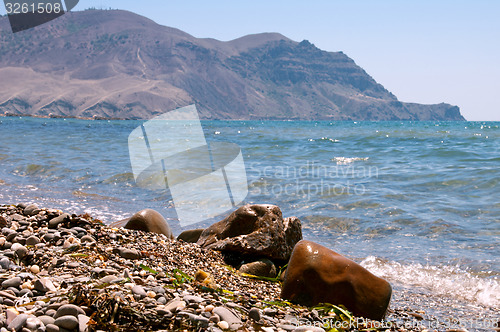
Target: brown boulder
{"points": [[146, 220], [254, 230], [316, 274]]}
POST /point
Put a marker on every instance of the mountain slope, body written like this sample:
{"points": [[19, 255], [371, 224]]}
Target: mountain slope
{"points": [[117, 64]]}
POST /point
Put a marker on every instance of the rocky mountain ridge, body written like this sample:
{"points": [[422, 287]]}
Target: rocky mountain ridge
{"points": [[116, 64]]}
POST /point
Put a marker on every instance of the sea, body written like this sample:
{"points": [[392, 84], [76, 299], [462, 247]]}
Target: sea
{"points": [[417, 203]]}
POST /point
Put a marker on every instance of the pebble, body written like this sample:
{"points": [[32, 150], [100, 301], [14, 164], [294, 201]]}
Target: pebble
{"points": [[69, 309], [139, 291], [254, 314], [12, 282], [68, 322], [18, 323], [35, 269], [223, 325]]}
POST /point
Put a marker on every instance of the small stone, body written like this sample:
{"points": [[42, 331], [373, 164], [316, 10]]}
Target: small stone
{"points": [[44, 285], [151, 294], [129, 253], [223, 324], [69, 309], [35, 269], [87, 238], [254, 314], [32, 240], [12, 282], [175, 304], [18, 323], [46, 320], [20, 250], [209, 308], [31, 210], [139, 291], [67, 322], [83, 321], [11, 314], [51, 328], [309, 329], [5, 263], [54, 222]]}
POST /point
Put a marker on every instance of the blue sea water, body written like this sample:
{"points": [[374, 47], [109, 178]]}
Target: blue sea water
{"points": [[415, 202]]}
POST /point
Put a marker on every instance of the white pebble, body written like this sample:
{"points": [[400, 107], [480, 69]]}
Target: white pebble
{"points": [[142, 273], [2, 241], [150, 278], [35, 269], [129, 285], [209, 308], [223, 324], [151, 294]]}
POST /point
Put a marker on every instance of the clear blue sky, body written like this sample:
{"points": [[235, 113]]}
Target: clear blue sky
{"points": [[425, 51]]}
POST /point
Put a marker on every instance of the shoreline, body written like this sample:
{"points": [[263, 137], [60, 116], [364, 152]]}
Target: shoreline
{"points": [[120, 277]]}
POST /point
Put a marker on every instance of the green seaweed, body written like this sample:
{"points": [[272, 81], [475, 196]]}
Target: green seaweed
{"points": [[148, 269]]}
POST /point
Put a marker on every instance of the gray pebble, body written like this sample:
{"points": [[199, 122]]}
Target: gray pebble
{"points": [[32, 240], [53, 223], [87, 238], [51, 328], [44, 285], [31, 210], [5, 263], [69, 309], [228, 316], [46, 320], [129, 253], [139, 291], [12, 282], [18, 323], [68, 322], [83, 321]]}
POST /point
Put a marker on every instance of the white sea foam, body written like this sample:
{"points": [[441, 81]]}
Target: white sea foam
{"points": [[347, 160], [450, 281]]}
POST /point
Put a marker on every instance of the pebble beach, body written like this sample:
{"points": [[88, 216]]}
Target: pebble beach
{"points": [[73, 273]]}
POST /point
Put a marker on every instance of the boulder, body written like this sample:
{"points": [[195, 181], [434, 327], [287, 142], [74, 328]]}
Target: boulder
{"points": [[254, 230], [316, 274], [191, 236], [146, 220]]}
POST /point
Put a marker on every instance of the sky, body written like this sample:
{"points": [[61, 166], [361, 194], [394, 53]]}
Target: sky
{"points": [[423, 51]]}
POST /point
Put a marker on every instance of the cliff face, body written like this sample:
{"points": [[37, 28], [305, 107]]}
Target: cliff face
{"points": [[120, 65]]}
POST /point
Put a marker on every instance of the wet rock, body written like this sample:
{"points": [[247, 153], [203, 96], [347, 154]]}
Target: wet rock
{"points": [[191, 236], [31, 210], [147, 220], [5, 263], [20, 250], [316, 274], [255, 230], [54, 222], [263, 268]]}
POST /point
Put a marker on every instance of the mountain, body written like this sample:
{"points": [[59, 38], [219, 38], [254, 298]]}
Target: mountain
{"points": [[116, 64]]}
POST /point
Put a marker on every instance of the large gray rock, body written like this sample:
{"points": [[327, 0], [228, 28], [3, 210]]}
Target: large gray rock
{"points": [[255, 230], [316, 274]]}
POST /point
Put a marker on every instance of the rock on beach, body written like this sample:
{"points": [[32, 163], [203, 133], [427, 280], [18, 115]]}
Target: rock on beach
{"points": [[316, 274]]}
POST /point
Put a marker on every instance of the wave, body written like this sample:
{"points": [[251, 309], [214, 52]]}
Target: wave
{"points": [[446, 281], [347, 160]]}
